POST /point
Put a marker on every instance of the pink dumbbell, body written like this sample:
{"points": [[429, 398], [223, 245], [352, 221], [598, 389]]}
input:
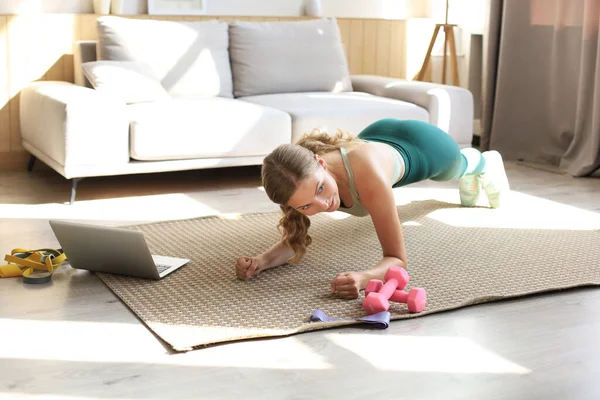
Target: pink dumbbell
{"points": [[416, 299], [377, 301], [375, 285]]}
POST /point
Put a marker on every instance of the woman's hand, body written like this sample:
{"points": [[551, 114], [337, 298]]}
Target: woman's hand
{"points": [[247, 267], [348, 284]]}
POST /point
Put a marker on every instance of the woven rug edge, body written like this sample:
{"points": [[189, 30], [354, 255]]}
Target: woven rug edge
{"points": [[314, 326]]}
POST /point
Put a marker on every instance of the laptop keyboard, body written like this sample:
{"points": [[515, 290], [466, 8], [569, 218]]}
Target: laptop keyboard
{"points": [[162, 268]]}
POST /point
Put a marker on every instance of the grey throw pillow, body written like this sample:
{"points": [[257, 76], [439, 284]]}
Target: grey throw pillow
{"points": [[190, 58], [287, 56], [128, 81]]}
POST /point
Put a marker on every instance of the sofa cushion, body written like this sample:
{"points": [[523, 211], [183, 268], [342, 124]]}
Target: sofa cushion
{"points": [[350, 111], [127, 81], [205, 128], [191, 58], [287, 56]]}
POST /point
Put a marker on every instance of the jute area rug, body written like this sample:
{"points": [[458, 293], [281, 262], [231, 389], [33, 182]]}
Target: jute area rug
{"points": [[461, 256]]}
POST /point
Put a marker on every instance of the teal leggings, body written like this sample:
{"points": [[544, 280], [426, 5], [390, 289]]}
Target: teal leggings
{"points": [[428, 151]]}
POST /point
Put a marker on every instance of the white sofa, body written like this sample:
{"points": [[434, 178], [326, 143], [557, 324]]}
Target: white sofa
{"points": [[153, 96]]}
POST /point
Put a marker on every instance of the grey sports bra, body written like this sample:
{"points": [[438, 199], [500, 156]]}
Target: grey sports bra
{"points": [[357, 209]]}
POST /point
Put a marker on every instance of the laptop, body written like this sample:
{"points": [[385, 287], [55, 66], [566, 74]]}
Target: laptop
{"points": [[118, 251]]}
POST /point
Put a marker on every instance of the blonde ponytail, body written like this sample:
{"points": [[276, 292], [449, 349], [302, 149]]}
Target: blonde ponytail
{"points": [[320, 142], [295, 231]]}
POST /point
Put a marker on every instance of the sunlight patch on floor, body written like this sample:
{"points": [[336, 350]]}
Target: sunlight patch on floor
{"points": [[407, 195], [337, 215], [518, 211], [411, 223], [84, 341], [143, 208], [522, 211], [454, 355]]}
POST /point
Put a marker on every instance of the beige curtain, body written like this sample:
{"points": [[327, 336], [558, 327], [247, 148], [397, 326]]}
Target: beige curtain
{"points": [[541, 89]]}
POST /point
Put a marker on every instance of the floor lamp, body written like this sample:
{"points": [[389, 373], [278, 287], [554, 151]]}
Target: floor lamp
{"points": [[448, 40]]}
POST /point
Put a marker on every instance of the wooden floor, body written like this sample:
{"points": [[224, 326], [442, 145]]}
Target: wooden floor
{"points": [[74, 339]]}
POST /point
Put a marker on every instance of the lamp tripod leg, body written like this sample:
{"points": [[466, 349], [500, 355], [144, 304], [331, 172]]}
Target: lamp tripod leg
{"points": [[421, 74], [453, 59], [445, 56]]}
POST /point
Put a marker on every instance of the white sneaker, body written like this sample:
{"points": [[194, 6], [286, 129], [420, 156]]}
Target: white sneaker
{"points": [[469, 189], [494, 180]]}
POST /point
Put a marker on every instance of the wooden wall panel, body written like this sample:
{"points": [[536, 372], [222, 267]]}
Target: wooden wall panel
{"points": [[40, 47], [397, 53], [356, 45], [18, 76], [344, 25], [70, 30], [383, 47], [369, 50], [87, 27], [4, 92]]}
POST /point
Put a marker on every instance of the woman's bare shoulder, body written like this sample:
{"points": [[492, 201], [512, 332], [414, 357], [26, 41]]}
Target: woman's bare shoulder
{"points": [[369, 160]]}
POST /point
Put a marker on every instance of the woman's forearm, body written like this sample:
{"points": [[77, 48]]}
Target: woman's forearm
{"points": [[379, 270], [277, 255]]}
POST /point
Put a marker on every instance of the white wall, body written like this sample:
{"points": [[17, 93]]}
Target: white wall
{"points": [[45, 6], [390, 9], [468, 14]]}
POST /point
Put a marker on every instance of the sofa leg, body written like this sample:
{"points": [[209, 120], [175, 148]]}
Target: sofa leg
{"points": [[74, 183], [31, 163]]}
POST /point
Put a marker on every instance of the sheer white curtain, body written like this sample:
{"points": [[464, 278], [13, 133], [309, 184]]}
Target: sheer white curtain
{"points": [[542, 82]]}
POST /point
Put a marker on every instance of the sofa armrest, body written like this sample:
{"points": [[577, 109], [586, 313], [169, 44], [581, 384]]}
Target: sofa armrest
{"points": [[450, 107], [74, 125]]}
